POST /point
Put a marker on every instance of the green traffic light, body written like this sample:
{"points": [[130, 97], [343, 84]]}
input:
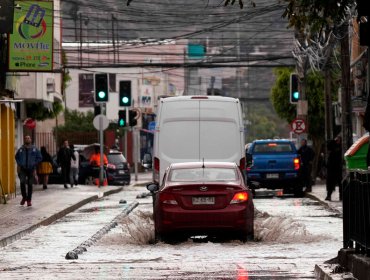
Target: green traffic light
{"points": [[125, 100], [122, 122], [296, 95], [101, 94]]}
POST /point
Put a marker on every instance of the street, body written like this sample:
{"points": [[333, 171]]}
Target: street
{"points": [[291, 236]]}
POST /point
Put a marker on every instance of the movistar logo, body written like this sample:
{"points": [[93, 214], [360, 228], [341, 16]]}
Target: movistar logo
{"points": [[32, 25]]}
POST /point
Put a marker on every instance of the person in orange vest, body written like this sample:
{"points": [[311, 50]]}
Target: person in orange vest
{"points": [[95, 163], [95, 158]]}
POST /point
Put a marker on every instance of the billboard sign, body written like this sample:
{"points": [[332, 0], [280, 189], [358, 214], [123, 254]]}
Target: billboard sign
{"points": [[31, 44]]}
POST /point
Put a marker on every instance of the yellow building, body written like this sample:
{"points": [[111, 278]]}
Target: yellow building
{"points": [[7, 149]]}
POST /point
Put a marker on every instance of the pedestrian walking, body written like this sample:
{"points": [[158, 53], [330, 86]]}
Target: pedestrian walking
{"points": [[45, 167], [307, 155], [334, 168], [64, 157], [74, 167], [27, 158]]}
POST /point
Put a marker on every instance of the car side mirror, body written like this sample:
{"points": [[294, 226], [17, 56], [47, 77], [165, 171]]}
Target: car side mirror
{"points": [[152, 187]]}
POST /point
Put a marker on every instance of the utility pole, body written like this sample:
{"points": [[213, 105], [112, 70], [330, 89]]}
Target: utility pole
{"points": [[346, 101], [328, 105]]}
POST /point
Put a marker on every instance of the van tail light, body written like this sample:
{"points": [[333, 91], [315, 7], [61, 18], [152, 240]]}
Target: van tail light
{"points": [[156, 164], [242, 164], [239, 197], [167, 198], [296, 163]]}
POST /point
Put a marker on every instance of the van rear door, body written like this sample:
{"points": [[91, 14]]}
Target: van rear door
{"points": [[178, 133], [221, 135]]}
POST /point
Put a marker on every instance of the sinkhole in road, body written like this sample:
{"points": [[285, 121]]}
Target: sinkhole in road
{"points": [[138, 229]]}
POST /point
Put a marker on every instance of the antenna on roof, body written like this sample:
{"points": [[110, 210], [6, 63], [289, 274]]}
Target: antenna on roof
{"points": [[203, 164]]}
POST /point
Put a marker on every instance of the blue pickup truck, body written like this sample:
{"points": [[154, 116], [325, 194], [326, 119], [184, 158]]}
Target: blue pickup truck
{"points": [[274, 164]]}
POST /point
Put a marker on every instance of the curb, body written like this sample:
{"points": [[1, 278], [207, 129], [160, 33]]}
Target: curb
{"points": [[323, 203], [49, 220], [332, 272], [73, 255]]}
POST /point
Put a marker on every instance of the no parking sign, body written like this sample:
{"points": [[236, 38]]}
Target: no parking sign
{"points": [[298, 126]]}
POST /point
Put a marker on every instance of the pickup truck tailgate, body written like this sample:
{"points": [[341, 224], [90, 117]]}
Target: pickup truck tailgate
{"points": [[276, 162]]}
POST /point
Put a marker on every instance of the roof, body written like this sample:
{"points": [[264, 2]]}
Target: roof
{"points": [[200, 97], [207, 164], [273, 140]]}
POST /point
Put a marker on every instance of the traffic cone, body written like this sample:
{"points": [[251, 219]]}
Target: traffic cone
{"points": [[105, 182]]}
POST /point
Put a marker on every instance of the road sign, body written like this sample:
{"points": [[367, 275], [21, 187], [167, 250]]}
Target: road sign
{"points": [[298, 126], [101, 122]]}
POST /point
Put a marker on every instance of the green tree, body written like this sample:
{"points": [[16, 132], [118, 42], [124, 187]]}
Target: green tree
{"points": [[39, 112], [76, 121], [262, 122], [315, 100]]}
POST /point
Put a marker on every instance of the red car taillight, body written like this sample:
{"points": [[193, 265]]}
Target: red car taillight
{"points": [[296, 163], [167, 198], [239, 197]]}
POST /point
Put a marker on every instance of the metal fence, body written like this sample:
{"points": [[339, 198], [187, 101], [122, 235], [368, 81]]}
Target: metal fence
{"points": [[53, 143], [356, 212]]}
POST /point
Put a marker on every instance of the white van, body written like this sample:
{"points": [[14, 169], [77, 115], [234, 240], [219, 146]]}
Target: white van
{"points": [[197, 128]]}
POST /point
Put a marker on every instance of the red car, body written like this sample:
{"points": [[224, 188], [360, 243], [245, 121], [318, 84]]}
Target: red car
{"points": [[202, 198]]}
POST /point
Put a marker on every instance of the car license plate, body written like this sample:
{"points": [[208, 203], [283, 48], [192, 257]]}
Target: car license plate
{"points": [[202, 200], [121, 171], [272, 175]]}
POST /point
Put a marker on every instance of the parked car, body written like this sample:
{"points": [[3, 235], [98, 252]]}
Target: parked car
{"points": [[274, 164], [206, 198], [118, 169]]}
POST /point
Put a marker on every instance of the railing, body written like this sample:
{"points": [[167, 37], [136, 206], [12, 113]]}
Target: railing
{"points": [[356, 211], [48, 140]]}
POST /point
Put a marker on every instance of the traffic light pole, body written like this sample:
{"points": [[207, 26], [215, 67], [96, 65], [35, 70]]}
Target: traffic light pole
{"points": [[135, 149], [126, 133], [101, 172]]}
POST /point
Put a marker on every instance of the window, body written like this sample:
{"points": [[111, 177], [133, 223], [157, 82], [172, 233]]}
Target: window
{"points": [[203, 174], [272, 147]]}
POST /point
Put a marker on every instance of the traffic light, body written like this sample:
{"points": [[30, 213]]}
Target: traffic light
{"points": [[132, 117], [294, 90], [125, 93], [122, 118], [101, 88]]}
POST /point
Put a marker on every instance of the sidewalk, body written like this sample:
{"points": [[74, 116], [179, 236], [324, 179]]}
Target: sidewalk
{"points": [[48, 206], [319, 193]]}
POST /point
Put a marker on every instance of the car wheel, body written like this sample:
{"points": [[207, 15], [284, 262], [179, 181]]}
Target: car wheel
{"points": [[159, 237], [245, 236], [299, 192]]}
